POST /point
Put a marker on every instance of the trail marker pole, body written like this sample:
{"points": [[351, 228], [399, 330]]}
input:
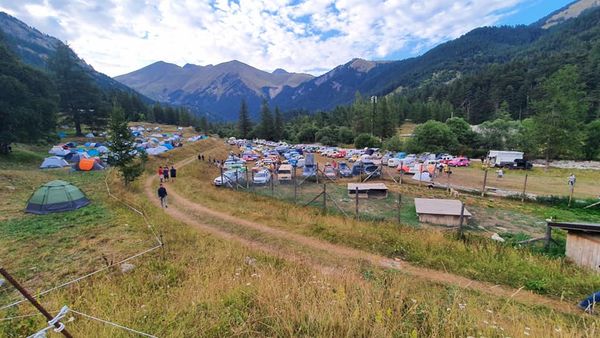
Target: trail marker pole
{"points": [[237, 180], [317, 173], [356, 202], [252, 174], [33, 302], [247, 182], [420, 174], [272, 187], [485, 174], [524, 188]]}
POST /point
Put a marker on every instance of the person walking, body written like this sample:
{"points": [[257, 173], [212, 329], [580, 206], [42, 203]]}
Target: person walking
{"points": [[160, 174], [162, 195], [166, 173], [173, 173]]}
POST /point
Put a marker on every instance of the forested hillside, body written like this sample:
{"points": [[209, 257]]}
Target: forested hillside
{"points": [[512, 86]]}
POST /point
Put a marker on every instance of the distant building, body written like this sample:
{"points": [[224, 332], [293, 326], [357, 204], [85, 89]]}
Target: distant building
{"points": [[583, 243], [440, 211]]}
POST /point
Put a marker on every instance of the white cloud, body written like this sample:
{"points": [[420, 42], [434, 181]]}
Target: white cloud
{"points": [[119, 36]]}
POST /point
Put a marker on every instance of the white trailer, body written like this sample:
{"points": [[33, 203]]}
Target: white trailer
{"points": [[500, 158]]}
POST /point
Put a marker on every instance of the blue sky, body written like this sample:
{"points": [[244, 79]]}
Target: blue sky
{"points": [[120, 36]]}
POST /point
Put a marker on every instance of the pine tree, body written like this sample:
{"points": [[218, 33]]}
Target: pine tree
{"points": [[244, 122], [266, 128], [279, 125], [122, 147], [559, 114], [79, 96]]}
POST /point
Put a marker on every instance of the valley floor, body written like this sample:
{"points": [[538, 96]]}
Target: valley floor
{"points": [[239, 264]]}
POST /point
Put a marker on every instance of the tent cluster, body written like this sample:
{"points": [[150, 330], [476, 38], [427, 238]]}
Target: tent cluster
{"points": [[154, 142], [80, 157]]}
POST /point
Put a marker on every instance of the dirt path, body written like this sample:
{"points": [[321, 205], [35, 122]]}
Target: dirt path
{"points": [[195, 215]]}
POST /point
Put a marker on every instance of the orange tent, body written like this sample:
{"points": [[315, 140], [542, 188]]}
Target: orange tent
{"points": [[86, 164]]}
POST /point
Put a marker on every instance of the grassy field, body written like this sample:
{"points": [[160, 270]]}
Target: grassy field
{"points": [[202, 285], [476, 258]]}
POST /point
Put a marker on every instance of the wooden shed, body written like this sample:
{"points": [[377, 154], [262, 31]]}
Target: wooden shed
{"points": [[368, 190], [583, 243], [440, 211]]}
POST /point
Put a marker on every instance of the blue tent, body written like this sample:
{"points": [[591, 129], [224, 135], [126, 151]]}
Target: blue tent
{"points": [[93, 152], [168, 146]]}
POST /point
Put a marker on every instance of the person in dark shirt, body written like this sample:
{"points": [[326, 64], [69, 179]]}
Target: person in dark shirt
{"points": [[162, 194], [173, 173], [166, 173]]}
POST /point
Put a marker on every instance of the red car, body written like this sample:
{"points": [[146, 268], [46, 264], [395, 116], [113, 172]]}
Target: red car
{"points": [[459, 162]]}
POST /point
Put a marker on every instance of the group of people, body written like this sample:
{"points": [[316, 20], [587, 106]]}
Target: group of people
{"points": [[164, 173]]}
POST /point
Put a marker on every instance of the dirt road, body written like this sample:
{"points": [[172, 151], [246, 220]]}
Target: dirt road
{"points": [[298, 248]]}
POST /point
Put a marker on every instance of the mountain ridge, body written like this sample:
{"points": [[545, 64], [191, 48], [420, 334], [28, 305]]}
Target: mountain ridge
{"points": [[211, 88], [34, 48]]}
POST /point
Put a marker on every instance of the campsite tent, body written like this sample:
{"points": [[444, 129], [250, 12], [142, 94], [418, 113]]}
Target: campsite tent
{"points": [[423, 177], [157, 150], [87, 164], [58, 150], [75, 157], [53, 162], [56, 196]]}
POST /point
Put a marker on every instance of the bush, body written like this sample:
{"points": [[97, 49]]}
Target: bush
{"points": [[393, 144], [366, 141], [345, 135]]}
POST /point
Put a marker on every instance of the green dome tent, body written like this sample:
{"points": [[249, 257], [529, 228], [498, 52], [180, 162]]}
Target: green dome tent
{"points": [[56, 196]]}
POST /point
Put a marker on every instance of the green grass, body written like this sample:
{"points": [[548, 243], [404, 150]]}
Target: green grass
{"points": [[35, 227], [24, 156]]}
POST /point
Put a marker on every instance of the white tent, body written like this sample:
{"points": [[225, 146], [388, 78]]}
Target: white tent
{"points": [[53, 162], [157, 150], [58, 151], [424, 177], [102, 149], [90, 135]]}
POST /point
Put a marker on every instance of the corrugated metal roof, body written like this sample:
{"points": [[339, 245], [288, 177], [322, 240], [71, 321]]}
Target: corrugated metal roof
{"points": [[367, 186], [589, 227], [439, 207]]}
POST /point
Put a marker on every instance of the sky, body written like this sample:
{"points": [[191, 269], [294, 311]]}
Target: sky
{"points": [[311, 36]]}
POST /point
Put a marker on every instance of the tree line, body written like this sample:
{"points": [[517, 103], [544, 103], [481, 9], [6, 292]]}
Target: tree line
{"points": [[34, 102], [557, 126]]}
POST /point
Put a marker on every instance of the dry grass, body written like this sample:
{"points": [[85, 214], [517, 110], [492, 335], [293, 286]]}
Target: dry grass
{"points": [[204, 286]]}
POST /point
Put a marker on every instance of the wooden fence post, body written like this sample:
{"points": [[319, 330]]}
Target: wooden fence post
{"points": [[484, 182], [524, 188]]}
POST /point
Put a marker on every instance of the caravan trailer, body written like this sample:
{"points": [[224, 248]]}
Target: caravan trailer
{"points": [[497, 158]]}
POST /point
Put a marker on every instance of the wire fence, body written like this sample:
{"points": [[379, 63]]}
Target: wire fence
{"points": [[327, 193], [108, 265]]}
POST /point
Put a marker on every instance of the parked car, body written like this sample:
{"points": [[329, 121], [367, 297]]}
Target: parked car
{"points": [[230, 177], [394, 162], [284, 173], [445, 159], [459, 162], [330, 172], [344, 170], [370, 169], [521, 164], [263, 176]]}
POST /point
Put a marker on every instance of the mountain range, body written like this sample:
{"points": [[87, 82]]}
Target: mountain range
{"points": [[216, 90], [211, 89], [220, 93], [34, 48]]}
